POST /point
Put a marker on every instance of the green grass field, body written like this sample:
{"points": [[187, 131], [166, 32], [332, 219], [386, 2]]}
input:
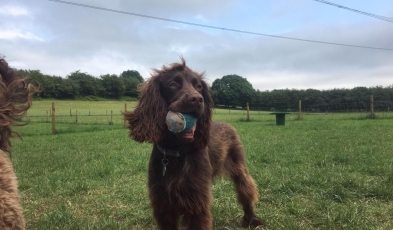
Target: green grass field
{"points": [[330, 171]]}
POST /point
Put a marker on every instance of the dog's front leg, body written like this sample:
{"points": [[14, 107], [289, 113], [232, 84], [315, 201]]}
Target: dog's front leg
{"points": [[198, 221], [164, 209], [196, 192], [166, 219]]}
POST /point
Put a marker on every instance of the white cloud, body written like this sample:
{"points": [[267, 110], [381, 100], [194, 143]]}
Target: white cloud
{"points": [[13, 10], [201, 17], [14, 34]]}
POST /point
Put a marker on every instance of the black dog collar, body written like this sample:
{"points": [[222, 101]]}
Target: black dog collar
{"points": [[169, 152]]}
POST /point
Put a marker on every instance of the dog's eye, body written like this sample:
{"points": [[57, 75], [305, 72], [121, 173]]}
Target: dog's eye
{"points": [[199, 86], [173, 85]]}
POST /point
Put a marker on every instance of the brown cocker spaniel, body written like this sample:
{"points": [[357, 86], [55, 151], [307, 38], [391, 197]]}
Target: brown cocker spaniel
{"points": [[15, 100], [182, 167]]}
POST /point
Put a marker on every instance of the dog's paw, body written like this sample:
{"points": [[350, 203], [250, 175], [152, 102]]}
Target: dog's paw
{"points": [[253, 222]]}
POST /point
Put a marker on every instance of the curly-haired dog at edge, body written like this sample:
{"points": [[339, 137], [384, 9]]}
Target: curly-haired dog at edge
{"points": [[182, 165], [15, 100]]}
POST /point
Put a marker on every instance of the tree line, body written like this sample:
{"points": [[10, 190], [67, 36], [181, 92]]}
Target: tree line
{"points": [[228, 91], [338, 100], [80, 85], [234, 90]]}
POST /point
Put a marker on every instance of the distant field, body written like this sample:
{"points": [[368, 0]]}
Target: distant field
{"points": [[331, 171]]}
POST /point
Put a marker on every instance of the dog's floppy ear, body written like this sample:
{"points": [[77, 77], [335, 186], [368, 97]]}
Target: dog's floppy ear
{"points": [[147, 121], [15, 99], [202, 133]]}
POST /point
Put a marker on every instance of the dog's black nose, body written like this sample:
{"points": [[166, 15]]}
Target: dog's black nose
{"points": [[195, 98]]}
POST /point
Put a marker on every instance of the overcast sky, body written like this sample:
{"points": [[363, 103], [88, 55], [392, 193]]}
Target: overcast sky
{"points": [[59, 38]]}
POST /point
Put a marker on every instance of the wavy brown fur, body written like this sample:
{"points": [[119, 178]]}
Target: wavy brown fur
{"points": [[15, 100], [11, 215], [214, 149]]}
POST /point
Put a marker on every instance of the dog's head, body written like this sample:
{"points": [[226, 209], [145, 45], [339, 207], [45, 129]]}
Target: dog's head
{"points": [[176, 88]]}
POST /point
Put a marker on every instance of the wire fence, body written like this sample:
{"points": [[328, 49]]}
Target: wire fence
{"points": [[378, 106], [81, 116], [60, 119]]}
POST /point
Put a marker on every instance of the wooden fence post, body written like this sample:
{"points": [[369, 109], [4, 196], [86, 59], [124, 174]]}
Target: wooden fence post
{"points": [[125, 111], [248, 112], [53, 118], [372, 106], [47, 117], [299, 116], [111, 123], [76, 116]]}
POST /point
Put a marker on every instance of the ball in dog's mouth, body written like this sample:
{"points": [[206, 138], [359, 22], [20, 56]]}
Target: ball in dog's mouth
{"points": [[183, 125]]}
